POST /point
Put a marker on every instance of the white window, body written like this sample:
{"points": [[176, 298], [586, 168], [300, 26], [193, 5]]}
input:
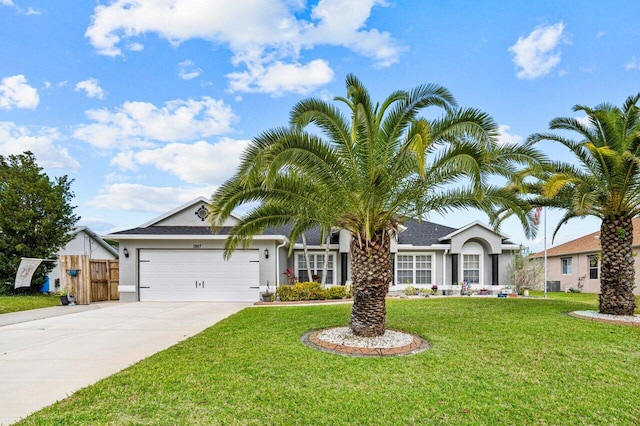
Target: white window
{"points": [[471, 268], [593, 267], [414, 269], [316, 262], [566, 265]]}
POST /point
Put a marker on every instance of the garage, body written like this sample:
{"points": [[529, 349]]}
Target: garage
{"points": [[198, 275]]}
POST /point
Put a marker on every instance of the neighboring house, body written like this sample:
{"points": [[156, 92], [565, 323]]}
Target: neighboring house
{"points": [[177, 257], [576, 264], [84, 242]]}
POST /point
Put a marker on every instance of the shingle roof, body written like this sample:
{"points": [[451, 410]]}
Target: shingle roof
{"points": [[418, 233], [173, 230], [423, 233], [587, 244]]}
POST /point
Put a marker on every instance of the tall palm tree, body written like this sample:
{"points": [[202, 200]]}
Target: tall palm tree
{"points": [[605, 183], [366, 174]]}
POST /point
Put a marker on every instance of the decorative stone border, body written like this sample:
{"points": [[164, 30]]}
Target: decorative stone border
{"points": [[610, 319], [416, 346]]}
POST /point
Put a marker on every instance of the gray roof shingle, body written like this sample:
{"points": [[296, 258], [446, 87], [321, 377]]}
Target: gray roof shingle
{"points": [[418, 233]]}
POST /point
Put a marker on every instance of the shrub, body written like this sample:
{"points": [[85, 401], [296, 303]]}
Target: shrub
{"points": [[410, 290], [308, 291], [285, 293], [336, 292]]}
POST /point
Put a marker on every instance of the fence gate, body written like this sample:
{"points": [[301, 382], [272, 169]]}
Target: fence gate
{"points": [[104, 279], [90, 280]]}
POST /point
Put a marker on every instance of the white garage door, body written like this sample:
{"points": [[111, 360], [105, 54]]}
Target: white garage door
{"points": [[199, 275]]}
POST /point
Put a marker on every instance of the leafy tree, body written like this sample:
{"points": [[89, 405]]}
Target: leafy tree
{"points": [[525, 271], [36, 216], [606, 184], [366, 174]]}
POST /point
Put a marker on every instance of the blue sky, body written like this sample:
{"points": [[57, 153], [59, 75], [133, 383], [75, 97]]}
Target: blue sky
{"points": [[148, 104]]}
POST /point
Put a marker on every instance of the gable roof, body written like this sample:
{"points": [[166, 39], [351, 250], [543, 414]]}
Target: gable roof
{"points": [[174, 211], [172, 230], [587, 244], [97, 238], [471, 225]]}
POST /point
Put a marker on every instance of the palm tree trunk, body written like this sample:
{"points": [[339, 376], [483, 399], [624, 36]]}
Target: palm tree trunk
{"points": [[617, 271], [306, 256], [325, 265], [371, 274]]}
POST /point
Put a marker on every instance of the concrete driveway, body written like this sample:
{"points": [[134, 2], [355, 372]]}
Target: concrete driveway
{"points": [[47, 354]]}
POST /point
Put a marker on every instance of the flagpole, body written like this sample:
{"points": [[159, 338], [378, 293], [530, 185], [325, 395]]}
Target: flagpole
{"points": [[545, 252]]}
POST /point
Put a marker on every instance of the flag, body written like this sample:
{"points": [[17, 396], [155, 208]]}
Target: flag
{"points": [[536, 216], [25, 272]]}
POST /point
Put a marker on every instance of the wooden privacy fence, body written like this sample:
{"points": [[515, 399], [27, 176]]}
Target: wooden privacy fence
{"points": [[90, 280]]}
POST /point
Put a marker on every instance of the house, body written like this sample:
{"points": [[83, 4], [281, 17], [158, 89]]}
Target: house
{"points": [[176, 256], [576, 263], [84, 242]]}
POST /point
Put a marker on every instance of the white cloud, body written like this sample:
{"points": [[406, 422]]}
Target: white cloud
{"points": [[16, 93], [32, 11], [584, 120], [198, 163], [91, 87], [142, 198], [17, 139], [6, 2], [537, 54], [188, 70], [279, 78], [341, 23], [97, 225], [135, 47], [505, 137], [262, 35], [634, 64], [142, 124]]}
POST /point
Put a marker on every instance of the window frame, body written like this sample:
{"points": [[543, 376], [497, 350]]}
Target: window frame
{"points": [[566, 265], [593, 270], [429, 271], [316, 268], [479, 269]]}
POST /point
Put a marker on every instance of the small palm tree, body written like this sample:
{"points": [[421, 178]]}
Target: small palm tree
{"points": [[605, 183], [366, 174]]}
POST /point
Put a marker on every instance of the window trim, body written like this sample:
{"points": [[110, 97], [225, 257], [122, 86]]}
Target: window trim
{"points": [[479, 267], [314, 253], [432, 269], [569, 265], [595, 269]]}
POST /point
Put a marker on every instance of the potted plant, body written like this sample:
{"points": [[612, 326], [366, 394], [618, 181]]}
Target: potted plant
{"points": [[66, 298], [267, 296]]}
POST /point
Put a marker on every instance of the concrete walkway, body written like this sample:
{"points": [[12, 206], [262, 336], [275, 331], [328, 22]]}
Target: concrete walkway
{"points": [[47, 354]]}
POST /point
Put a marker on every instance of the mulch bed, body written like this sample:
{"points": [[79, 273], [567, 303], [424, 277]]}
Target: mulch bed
{"points": [[416, 346], [610, 320]]}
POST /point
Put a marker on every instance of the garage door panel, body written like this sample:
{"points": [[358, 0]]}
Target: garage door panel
{"points": [[197, 275]]}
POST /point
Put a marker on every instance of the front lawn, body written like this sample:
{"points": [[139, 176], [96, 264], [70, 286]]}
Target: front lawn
{"points": [[493, 361], [25, 303]]}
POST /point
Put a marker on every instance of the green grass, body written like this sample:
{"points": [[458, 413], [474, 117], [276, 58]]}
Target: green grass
{"points": [[590, 298], [25, 303], [493, 362]]}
